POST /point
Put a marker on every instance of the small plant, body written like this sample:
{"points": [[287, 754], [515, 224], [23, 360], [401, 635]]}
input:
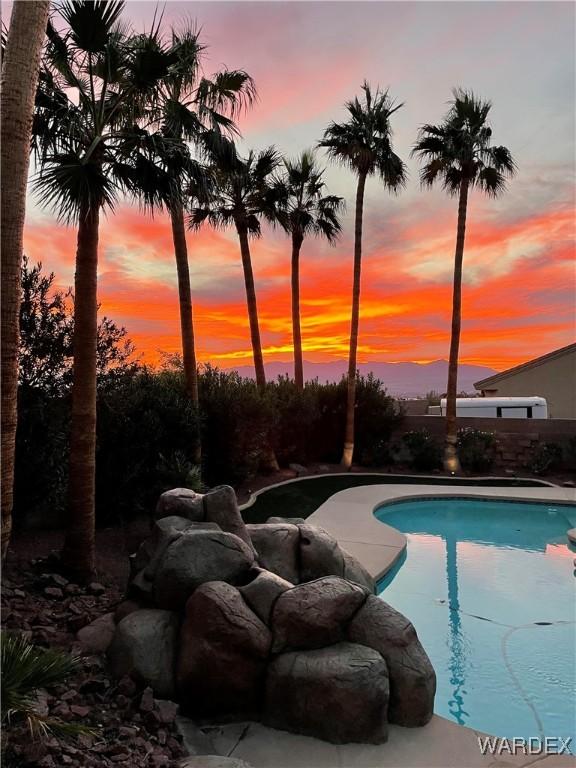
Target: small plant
{"points": [[176, 471], [26, 670], [424, 450], [546, 457], [476, 449]]}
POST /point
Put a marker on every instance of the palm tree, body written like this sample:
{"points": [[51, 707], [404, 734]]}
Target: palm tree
{"points": [[244, 193], [193, 109], [96, 85], [364, 144], [304, 210], [458, 154], [20, 62]]}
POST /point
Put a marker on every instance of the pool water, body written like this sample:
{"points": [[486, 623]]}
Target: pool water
{"points": [[490, 588]]}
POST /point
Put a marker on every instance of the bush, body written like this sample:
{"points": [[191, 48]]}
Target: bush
{"points": [[296, 422], [41, 467], [146, 429], [546, 457], [425, 452], [476, 449], [237, 420], [25, 670]]}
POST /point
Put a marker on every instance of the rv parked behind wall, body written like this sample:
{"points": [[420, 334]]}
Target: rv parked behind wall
{"points": [[495, 407]]}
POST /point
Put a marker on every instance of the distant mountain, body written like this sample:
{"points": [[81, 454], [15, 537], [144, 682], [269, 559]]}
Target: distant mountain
{"points": [[400, 379]]}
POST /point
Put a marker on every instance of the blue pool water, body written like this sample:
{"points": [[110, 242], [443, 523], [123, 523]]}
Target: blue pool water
{"points": [[490, 588]]}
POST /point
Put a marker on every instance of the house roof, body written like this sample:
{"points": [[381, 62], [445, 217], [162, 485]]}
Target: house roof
{"points": [[487, 383]]}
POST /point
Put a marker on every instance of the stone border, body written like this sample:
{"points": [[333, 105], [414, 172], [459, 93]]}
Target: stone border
{"points": [[349, 515], [416, 478]]}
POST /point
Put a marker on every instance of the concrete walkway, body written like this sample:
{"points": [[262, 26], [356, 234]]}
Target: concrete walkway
{"points": [[349, 517]]}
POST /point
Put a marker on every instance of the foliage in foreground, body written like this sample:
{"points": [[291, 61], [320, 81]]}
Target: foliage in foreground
{"points": [[26, 671]]}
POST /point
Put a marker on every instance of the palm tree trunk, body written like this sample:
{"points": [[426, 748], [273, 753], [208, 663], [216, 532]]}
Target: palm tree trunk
{"points": [[451, 462], [252, 307], [270, 464], [20, 65], [297, 335], [186, 315], [79, 547], [351, 393]]}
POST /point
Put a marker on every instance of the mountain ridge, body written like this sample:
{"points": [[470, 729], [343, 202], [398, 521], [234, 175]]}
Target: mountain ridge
{"points": [[406, 379]]}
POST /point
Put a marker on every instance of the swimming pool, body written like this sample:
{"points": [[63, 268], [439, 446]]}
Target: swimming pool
{"points": [[489, 586]]}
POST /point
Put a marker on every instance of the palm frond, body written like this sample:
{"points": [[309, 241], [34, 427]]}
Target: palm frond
{"points": [[91, 22], [364, 142], [460, 148]]}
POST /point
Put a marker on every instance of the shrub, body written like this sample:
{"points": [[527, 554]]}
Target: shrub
{"points": [[424, 450], [25, 671], [296, 422], [476, 449], [237, 420], [41, 467], [546, 457], [146, 430]]}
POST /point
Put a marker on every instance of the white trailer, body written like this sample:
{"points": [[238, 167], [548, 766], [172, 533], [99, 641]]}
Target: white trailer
{"points": [[495, 407]]}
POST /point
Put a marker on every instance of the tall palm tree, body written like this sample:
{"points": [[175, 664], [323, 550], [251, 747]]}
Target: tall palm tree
{"points": [[96, 85], [198, 110], [244, 193], [21, 60], [458, 154], [363, 144], [304, 210]]}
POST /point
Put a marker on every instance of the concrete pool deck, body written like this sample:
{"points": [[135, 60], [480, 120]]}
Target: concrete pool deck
{"points": [[349, 517]]}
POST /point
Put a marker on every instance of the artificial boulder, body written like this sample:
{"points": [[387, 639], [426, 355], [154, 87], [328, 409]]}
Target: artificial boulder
{"points": [[181, 502], [224, 649], [262, 592], [355, 571], [196, 557], [278, 549], [144, 647], [320, 554], [221, 507], [412, 676], [339, 694], [315, 614], [97, 636]]}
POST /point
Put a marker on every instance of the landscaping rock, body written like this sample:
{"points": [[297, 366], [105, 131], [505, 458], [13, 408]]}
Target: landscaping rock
{"points": [[223, 652], [97, 636], [182, 502], [95, 588], [320, 554], [278, 549], [262, 591], [213, 761], [315, 614], [355, 571], [196, 557], [194, 740], [144, 646], [284, 520], [339, 694], [125, 608], [221, 507], [412, 677]]}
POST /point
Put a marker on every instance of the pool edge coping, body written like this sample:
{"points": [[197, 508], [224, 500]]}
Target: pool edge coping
{"points": [[361, 531], [255, 494]]}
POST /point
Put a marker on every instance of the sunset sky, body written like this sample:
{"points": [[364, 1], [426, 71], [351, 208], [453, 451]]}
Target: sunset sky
{"points": [[307, 59]]}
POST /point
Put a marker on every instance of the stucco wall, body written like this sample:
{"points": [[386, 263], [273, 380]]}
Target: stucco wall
{"points": [[553, 379]]}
